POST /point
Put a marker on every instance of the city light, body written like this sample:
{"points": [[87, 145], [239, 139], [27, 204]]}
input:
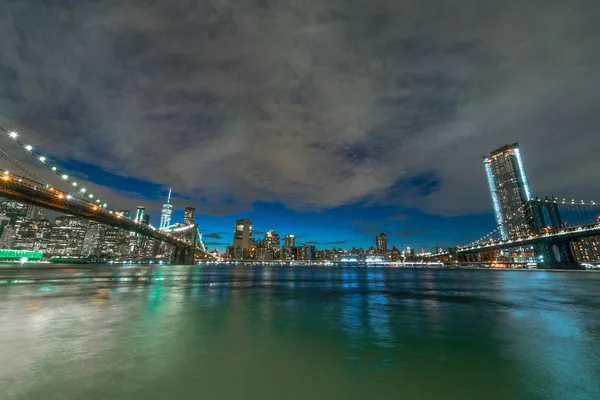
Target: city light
{"points": [[29, 147], [13, 134], [43, 159], [82, 190], [54, 169], [74, 184], [69, 197], [65, 177], [60, 196]]}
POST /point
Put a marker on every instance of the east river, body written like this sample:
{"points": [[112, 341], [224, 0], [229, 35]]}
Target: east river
{"points": [[273, 333]]}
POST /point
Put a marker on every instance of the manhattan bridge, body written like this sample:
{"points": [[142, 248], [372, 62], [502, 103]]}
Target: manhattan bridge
{"points": [[69, 196], [553, 231]]}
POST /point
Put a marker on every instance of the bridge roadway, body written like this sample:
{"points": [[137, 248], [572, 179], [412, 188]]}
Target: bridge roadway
{"points": [[28, 191], [574, 232]]}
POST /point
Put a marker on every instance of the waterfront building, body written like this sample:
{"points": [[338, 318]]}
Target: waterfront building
{"points": [[306, 252], [167, 210], [25, 232], [381, 242], [42, 235], [264, 254], [67, 236], [92, 240], [7, 238], [509, 190], [586, 249]]}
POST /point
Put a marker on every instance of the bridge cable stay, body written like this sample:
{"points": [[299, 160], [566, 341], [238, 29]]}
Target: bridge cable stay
{"points": [[21, 167], [79, 192], [522, 219]]}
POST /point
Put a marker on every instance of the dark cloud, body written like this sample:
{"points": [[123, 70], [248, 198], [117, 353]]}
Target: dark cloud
{"points": [[336, 242], [327, 243], [407, 232], [220, 244], [258, 232], [314, 104], [214, 235]]}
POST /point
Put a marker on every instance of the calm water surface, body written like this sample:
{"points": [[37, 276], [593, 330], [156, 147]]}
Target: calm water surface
{"points": [[298, 333]]}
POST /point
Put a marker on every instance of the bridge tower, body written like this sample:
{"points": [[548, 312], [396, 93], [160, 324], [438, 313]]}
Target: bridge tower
{"points": [[545, 213], [184, 254]]}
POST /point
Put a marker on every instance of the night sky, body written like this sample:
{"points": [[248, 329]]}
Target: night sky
{"points": [[330, 119]]}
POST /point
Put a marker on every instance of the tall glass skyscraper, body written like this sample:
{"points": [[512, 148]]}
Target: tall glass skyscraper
{"points": [[509, 189], [167, 210]]}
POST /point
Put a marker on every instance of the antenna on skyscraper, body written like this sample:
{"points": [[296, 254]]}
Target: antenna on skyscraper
{"points": [[169, 197]]}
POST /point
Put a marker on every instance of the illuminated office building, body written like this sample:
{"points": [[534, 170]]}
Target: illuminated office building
{"points": [[242, 234], [509, 190], [272, 241], [189, 216], [140, 213], [289, 241], [381, 241], [165, 215]]}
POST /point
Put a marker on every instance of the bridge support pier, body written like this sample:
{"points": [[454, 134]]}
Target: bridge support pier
{"points": [[557, 254], [182, 255]]}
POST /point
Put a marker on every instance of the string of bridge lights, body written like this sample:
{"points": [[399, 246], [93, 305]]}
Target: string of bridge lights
{"points": [[65, 177], [570, 202], [483, 238], [48, 165]]}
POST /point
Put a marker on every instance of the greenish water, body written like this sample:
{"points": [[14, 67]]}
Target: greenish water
{"points": [[298, 333]]}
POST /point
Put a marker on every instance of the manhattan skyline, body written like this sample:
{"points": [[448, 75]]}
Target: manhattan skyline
{"points": [[322, 127]]}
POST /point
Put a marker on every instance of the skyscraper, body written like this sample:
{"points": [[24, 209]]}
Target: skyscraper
{"points": [[272, 241], [242, 233], [381, 241], [189, 217], [509, 189], [165, 215], [140, 212], [289, 241]]}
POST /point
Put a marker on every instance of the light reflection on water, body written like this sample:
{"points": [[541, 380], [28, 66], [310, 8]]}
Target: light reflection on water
{"points": [[272, 333]]}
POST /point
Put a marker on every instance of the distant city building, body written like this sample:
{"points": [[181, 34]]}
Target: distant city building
{"points": [[272, 241], [509, 189], [306, 252], [264, 254], [25, 232], [381, 241], [42, 235], [189, 216], [586, 249], [289, 241], [165, 215], [7, 238], [67, 236], [92, 240], [242, 234], [140, 214]]}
